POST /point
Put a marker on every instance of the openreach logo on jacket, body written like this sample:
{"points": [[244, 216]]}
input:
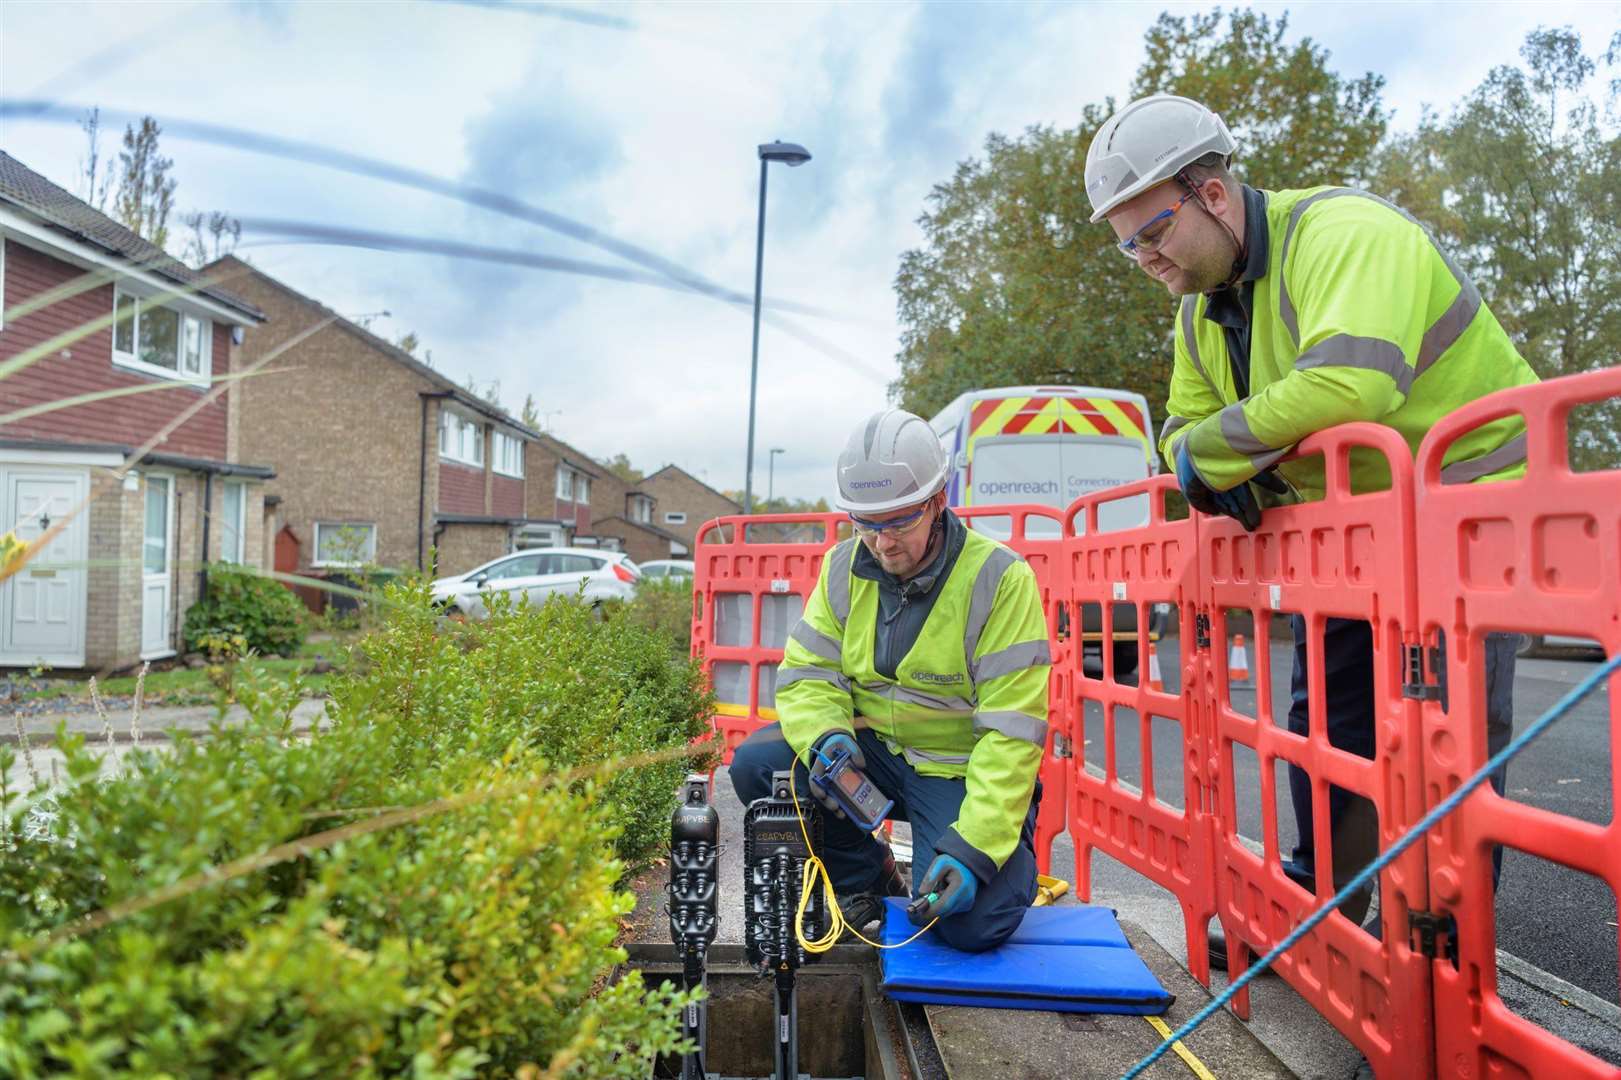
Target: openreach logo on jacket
{"points": [[937, 678]]}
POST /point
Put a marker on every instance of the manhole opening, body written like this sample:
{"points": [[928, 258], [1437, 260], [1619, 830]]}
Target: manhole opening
{"points": [[847, 1030]]}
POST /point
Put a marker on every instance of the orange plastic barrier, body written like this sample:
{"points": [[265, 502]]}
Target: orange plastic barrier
{"points": [[1348, 556], [1125, 816], [1540, 554], [749, 587]]}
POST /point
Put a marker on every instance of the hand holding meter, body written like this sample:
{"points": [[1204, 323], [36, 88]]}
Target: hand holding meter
{"points": [[839, 784]]}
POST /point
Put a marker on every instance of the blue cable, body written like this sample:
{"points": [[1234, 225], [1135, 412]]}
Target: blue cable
{"points": [[1442, 809]]}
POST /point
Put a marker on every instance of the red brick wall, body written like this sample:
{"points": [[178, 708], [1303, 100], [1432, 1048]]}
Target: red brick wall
{"points": [[461, 488], [582, 515], [87, 365], [506, 496]]}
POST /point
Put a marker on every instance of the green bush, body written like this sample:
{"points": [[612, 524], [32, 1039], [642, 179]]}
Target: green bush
{"points": [[473, 941], [664, 606], [241, 609]]}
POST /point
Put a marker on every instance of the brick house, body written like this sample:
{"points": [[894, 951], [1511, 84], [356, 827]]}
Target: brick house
{"points": [[684, 503], [560, 488], [113, 313], [622, 516], [379, 458]]}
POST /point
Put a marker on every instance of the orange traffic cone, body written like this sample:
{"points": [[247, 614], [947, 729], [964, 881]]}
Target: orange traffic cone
{"points": [[1238, 662], [1154, 680]]}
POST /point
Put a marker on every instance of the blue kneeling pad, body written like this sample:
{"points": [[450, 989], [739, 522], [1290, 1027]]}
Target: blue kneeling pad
{"points": [[1060, 959]]}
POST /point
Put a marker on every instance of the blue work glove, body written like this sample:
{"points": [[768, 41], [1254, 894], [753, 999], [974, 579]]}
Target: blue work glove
{"points": [[822, 753], [1238, 503], [948, 888]]}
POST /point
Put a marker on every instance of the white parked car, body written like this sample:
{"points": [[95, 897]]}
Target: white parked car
{"points": [[589, 574], [659, 569]]}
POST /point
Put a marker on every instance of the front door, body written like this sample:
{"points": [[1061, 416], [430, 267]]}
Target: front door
{"points": [[43, 604], [157, 561]]}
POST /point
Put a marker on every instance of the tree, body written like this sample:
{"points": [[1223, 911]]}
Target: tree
{"points": [[1014, 286], [145, 188], [213, 236], [1522, 183], [621, 467], [95, 177], [531, 412]]}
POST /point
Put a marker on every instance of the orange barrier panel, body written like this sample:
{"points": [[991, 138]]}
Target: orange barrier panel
{"points": [[749, 587], [1044, 553], [1127, 819], [1540, 554], [1347, 556]]}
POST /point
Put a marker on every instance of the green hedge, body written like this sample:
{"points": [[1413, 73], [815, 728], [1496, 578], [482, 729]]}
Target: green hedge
{"points": [[470, 942], [243, 611]]}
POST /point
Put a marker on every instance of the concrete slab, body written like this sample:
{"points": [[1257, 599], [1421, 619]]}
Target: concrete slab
{"points": [[1012, 1044]]}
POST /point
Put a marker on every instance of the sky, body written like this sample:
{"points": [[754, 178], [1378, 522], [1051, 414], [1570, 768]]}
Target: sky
{"points": [[633, 128]]}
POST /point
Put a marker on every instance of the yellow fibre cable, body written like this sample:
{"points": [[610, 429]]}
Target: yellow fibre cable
{"points": [[836, 924], [1182, 1052]]}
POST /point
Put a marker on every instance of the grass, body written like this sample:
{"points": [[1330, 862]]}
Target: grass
{"points": [[181, 685]]}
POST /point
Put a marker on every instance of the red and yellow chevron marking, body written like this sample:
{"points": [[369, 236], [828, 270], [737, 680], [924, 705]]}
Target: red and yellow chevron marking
{"points": [[1038, 415]]}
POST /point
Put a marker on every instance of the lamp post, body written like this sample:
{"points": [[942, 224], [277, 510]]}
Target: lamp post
{"points": [[771, 475], [793, 155]]}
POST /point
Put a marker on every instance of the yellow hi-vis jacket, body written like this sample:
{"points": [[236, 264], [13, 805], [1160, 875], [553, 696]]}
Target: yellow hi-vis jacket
{"points": [[969, 699], [1358, 316]]}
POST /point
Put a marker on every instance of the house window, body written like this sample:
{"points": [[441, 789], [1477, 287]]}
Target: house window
{"points": [[508, 455], [460, 438], [565, 483], [675, 517], [233, 521], [642, 510], [345, 543], [150, 337]]}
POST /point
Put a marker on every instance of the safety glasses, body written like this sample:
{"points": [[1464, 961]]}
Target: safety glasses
{"points": [[1152, 236], [901, 526]]}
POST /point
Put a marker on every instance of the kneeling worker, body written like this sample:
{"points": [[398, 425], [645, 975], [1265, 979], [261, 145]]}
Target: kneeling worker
{"points": [[923, 653]]}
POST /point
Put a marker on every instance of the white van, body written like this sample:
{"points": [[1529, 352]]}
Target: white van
{"points": [[1050, 445]]}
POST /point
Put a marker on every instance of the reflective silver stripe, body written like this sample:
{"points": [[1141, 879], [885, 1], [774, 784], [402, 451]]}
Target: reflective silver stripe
{"points": [[1369, 354], [1441, 335], [1235, 428], [1020, 657], [914, 755], [1172, 425], [1015, 725], [1462, 472], [786, 677], [838, 579], [983, 599], [906, 695], [818, 643], [1286, 306], [1445, 331], [1188, 304]]}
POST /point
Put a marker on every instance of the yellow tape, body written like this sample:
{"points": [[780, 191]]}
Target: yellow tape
{"points": [[726, 708], [1182, 1052]]}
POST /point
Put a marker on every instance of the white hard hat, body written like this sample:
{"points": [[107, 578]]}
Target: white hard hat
{"points": [[1146, 143], [893, 460]]}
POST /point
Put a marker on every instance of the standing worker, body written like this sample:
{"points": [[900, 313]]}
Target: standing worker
{"points": [[1301, 310], [923, 654]]}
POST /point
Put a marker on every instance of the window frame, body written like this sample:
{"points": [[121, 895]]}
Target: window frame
{"points": [[675, 517], [457, 452], [565, 483], [498, 452], [315, 552], [239, 527], [582, 489], [132, 361]]}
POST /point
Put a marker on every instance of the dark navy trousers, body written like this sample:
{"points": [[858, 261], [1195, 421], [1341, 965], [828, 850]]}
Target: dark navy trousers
{"points": [[854, 859], [1348, 672]]}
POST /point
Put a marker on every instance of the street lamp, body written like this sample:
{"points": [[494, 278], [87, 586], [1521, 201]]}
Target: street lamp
{"points": [[793, 155], [771, 475]]}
